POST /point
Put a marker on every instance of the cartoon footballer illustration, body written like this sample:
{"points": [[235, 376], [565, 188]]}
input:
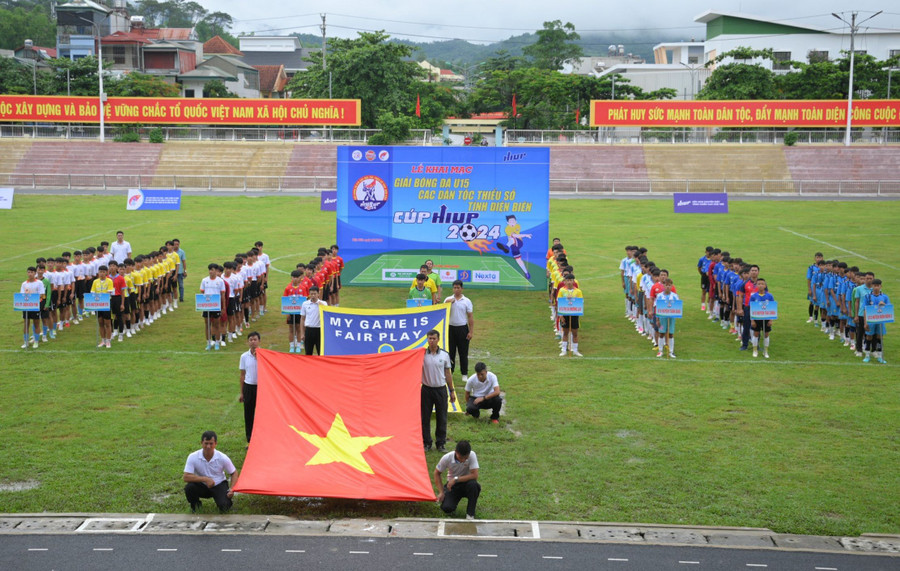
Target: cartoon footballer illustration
{"points": [[514, 242]]}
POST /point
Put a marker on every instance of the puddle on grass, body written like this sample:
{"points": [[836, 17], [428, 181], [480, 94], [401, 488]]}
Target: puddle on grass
{"points": [[19, 486]]}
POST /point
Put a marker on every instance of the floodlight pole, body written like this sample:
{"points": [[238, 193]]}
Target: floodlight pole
{"points": [[854, 27]]}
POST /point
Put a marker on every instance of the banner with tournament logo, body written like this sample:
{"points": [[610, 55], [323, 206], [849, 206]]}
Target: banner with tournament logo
{"points": [[153, 199], [479, 214], [349, 331]]}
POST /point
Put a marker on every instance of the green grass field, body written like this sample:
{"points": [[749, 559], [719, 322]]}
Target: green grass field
{"points": [[806, 442], [374, 269]]}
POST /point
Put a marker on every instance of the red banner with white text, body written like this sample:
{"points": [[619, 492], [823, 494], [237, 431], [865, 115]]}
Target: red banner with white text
{"points": [[180, 111], [338, 427], [780, 113]]}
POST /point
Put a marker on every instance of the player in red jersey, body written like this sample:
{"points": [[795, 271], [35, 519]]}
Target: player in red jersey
{"points": [[293, 320], [336, 294]]}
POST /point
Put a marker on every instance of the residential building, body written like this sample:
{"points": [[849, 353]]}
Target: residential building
{"points": [[726, 31], [275, 50]]}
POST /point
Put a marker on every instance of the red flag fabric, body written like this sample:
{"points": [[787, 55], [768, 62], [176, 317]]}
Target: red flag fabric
{"points": [[418, 106], [338, 427], [577, 115], [514, 105]]}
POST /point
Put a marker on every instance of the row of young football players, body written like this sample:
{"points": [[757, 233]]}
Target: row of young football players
{"points": [[141, 290], [563, 285], [728, 286], [645, 286], [838, 295], [320, 282], [242, 284]]}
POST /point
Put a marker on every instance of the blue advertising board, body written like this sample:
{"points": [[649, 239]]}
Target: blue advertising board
{"points": [[479, 211], [349, 331], [700, 202], [153, 199]]}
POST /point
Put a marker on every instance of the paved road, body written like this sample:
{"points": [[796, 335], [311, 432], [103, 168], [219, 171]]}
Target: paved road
{"points": [[97, 552]]}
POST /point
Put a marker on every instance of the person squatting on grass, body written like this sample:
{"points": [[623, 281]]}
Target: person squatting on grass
{"points": [[483, 392], [205, 474], [461, 466]]}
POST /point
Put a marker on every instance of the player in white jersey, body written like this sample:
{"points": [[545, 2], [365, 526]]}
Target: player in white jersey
{"points": [[213, 284], [264, 261], [32, 286]]}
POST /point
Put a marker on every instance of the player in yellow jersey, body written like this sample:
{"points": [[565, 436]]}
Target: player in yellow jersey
{"points": [[137, 277], [569, 323], [103, 285], [130, 294]]}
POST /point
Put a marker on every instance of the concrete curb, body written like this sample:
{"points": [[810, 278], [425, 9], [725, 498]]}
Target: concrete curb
{"points": [[592, 532]]}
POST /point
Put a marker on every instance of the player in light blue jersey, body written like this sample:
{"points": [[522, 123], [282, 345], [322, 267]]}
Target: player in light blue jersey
{"points": [[875, 331]]}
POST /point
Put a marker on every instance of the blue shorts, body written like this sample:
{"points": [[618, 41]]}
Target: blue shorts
{"points": [[667, 325], [876, 329]]}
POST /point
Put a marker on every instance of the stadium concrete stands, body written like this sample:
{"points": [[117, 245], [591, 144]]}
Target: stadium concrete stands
{"points": [[584, 168]]}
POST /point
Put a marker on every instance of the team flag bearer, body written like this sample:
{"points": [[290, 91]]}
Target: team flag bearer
{"points": [[875, 331], [762, 293], [666, 324]]}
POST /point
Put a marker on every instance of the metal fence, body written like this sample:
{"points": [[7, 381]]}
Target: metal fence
{"points": [[638, 136], [511, 137], [239, 183]]}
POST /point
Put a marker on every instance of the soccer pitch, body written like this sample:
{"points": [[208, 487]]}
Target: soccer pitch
{"points": [[388, 269], [804, 442]]}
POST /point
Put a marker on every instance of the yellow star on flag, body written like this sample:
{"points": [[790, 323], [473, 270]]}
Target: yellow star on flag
{"points": [[339, 446]]}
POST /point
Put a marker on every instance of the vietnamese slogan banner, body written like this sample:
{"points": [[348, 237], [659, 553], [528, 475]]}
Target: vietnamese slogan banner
{"points": [[359, 435], [756, 113], [180, 111], [480, 214], [348, 331]]}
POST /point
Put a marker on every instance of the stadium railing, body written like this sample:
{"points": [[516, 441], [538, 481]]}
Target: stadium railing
{"points": [[316, 184], [350, 135], [638, 136]]}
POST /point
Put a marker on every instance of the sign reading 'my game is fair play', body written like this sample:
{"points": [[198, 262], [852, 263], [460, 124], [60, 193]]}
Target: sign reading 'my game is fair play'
{"points": [[480, 214]]}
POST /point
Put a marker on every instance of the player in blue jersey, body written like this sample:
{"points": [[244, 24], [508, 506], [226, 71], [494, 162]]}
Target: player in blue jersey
{"points": [[875, 331], [762, 294], [811, 271], [702, 268]]}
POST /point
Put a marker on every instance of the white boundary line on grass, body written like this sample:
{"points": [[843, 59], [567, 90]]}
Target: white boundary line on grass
{"points": [[33, 252], [851, 252], [498, 357]]}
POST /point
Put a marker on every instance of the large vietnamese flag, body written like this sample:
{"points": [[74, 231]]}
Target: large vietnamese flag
{"points": [[338, 427]]}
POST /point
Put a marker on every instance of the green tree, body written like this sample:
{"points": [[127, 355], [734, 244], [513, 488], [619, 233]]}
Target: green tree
{"points": [[15, 78], [555, 46], [19, 24], [548, 99], [740, 79], [78, 77], [368, 68], [216, 24], [216, 89], [140, 85]]}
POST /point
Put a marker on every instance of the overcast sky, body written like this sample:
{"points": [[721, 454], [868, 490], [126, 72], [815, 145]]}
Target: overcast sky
{"points": [[487, 20]]}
